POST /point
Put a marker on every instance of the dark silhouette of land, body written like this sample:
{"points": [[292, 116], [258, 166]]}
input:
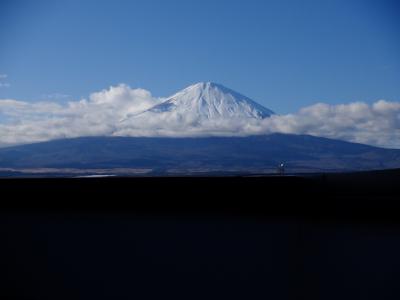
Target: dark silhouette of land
{"points": [[191, 156]]}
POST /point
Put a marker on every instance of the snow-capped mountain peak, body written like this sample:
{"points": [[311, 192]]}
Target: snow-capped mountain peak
{"points": [[210, 100]]}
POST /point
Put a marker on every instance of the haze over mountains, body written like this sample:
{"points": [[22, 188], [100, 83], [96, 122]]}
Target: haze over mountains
{"points": [[201, 108]]}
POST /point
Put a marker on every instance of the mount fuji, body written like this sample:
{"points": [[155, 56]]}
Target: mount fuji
{"points": [[210, 100], [202, 102], [208, 114]]}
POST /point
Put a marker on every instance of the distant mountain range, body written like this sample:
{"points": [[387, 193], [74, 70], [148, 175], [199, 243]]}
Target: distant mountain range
{"points": [[202, 103], [254, 154]]}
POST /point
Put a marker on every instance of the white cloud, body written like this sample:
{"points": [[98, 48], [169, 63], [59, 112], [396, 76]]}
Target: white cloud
{"points": [[100, 114], [109, 113], [377, 124], [3, 76]]}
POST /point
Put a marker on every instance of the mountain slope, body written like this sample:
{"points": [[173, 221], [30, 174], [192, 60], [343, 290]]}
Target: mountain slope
{"points": [[240, 154], [209, 101]]}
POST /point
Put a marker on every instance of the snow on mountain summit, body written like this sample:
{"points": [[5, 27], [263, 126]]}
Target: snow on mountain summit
{"points": [[207, 100], [202, 109]]}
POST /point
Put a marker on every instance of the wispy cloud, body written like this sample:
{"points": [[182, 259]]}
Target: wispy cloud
{"points": [[2, 83], [105, 113], [55, 96]]}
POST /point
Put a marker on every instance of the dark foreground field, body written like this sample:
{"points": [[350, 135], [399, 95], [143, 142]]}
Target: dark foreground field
{"points": [[333, 236], [370, 195]]}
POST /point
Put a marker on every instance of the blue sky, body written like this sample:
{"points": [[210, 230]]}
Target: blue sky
{"points": [[284, 54]]}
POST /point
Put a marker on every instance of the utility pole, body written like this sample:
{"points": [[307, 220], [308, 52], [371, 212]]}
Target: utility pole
{"points": [[281, 169]]}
